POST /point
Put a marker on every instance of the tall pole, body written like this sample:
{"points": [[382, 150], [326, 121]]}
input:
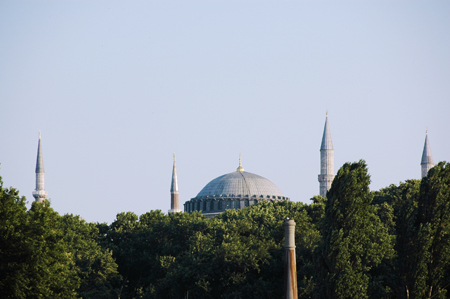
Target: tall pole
{"points": [[290, 265]]}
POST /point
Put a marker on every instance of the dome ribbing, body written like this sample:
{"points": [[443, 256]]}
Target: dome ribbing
{"points": [[244, 184]]}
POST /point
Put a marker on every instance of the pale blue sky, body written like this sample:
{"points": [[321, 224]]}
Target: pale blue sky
{"points": [[117, 86]]}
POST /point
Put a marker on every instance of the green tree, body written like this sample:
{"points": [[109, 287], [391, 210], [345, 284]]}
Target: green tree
{"points": [[13, 218], [403, 201], [138, 244], [54, 274], [33, 260], [316, 210], [433, 234], [354, 240], [238, 254], [123, 240], [173, 271], [96, 269]]}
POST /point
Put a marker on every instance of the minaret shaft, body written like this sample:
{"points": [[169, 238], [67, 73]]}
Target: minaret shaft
{"points": [[39, 193], [174, 202], [326, 175], [40, 181], [427, 158]]}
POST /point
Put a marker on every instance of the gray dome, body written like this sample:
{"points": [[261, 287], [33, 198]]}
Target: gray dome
{"points": [[235, 190], [240, 183]]}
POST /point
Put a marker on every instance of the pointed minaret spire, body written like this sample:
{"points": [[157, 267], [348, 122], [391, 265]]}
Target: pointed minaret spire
{"points": [[39, 193], [427, 159], [326, 175], [240, 168], [327, 144], [174, 204]]}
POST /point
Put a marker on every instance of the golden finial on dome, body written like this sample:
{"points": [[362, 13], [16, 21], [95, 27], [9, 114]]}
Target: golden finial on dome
{"points": [[240, 168], [39, 134]]}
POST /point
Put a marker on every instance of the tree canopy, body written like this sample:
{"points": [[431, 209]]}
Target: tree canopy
{"points": [[33, 259], [354, 240], [353, 243]]}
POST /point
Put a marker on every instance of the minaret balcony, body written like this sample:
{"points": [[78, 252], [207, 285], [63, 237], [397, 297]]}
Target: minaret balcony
{"points": [[326, 177]]}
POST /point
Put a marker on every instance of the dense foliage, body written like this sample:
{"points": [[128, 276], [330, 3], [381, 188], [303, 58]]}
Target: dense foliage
{"points": [[354, 240], [391, 243]]}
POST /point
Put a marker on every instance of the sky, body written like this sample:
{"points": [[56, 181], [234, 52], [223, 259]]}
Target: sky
{"points": [[117, 87]]}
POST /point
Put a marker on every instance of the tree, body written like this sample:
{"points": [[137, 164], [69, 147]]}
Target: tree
{"points": [[316, 210], [123, 240], [238, 254], [96, 269], [433, 234], [354, 241], [13, 218], [53, 273], [33, 260], [403, 201]]}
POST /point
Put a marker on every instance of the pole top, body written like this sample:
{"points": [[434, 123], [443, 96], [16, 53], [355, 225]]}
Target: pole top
{"points": [[289, 222]]}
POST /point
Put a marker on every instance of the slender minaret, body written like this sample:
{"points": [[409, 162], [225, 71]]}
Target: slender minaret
{"points": [[427, 159], [326, 175], [39, 193], [174, 205]]}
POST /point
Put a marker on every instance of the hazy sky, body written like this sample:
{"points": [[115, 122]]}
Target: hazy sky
{"points": [[117, 87]]}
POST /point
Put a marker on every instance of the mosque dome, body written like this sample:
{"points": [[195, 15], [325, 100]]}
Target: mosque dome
{"points": [[234, 190], [243, 184]]}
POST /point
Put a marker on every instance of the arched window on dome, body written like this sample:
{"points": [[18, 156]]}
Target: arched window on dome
{"points": [[219, 205], [204, 206]]}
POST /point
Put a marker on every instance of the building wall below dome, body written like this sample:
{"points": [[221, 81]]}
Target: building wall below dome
{"points": [[211, 207]]}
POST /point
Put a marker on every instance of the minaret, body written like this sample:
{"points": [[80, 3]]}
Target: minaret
{"points": [[174, 205], [39, 193], [427, 159], [326, 175]]}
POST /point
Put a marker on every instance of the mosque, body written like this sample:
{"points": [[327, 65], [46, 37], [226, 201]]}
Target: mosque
{"points": [[239, 189]]}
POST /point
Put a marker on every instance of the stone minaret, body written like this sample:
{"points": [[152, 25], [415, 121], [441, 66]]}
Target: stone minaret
{"points": [[326, 175], [174, 204], [290, 265], [427, 159], [39, 193]]}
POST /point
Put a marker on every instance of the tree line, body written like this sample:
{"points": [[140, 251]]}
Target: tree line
{"points": [[355, 243]]}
